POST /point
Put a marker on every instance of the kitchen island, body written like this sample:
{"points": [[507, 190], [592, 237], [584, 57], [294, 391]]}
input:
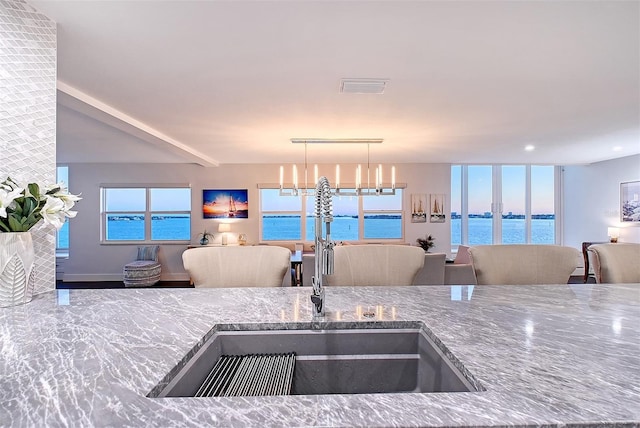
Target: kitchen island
{"points": [[546, 355]]}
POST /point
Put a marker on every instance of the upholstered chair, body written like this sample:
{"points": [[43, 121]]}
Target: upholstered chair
{"points": [[145, 270], [375, 265], [615, 263], [460, 272], [253, 266], [523, 264], [432, 272]]}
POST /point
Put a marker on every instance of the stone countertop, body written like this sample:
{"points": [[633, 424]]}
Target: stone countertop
{"points": [[547, 356]]}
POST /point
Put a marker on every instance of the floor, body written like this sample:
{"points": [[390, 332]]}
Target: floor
{"points": [[119, 284], [185, 284]]}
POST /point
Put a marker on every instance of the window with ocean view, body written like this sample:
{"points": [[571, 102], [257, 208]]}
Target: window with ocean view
{"points": [[354, 218], [146, 214], [503, 204], [62, 235]]}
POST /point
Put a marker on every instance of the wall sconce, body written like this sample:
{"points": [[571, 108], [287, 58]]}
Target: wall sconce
{"points": [[223, 228], [614, 233]]}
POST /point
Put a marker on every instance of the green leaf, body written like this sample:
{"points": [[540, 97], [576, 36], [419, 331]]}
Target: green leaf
{"points": [[34, 189], [29, 206], [15, 225]]}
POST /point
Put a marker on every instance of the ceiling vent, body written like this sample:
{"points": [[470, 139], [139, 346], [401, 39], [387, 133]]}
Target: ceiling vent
{"points": [[363, 86]]}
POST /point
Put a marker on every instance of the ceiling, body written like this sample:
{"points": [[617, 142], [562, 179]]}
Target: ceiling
{"points": [[223, 82]]}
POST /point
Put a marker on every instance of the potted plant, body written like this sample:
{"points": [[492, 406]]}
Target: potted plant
{"points": [[23, 206], [426, 243], [204, 237]]}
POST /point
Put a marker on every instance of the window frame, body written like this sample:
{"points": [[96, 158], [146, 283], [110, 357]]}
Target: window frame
{"points": [[63, 251], [497, 203], [308, 212], [147, 213]]}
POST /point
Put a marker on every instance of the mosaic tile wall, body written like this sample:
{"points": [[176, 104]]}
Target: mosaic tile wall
{"points": [[28, 112]]}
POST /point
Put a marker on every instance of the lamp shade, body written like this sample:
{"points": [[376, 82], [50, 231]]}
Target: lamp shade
{"points": [[224, 227], [614, 233]]}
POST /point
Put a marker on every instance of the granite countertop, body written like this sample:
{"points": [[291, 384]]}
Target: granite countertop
{"points": [[547, 356]]}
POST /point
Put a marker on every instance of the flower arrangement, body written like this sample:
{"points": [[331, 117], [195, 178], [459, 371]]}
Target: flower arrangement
{"points": [[22, 206]]}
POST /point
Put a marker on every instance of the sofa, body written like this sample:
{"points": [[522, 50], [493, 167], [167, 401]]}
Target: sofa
{"points": [[615, 263]]}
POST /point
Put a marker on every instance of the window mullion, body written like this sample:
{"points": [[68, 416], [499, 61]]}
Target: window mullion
{"points": [[147, 216], [496, 205], [464, 219], [527, 206]]}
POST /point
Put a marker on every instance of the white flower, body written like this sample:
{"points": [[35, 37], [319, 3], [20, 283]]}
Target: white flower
{"points": [[23, 205], [7, 198], [68, 199], [53, 212]]}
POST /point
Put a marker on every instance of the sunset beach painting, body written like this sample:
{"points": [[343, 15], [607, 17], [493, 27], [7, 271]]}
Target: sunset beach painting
{"points": [[225, 203]]}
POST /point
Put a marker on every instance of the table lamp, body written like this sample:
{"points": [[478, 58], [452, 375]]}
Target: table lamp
{"points": [[223, 228], [614, 233]]}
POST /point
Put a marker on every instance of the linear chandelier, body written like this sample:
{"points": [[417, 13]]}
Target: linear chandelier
{"points": [[375, 187]]}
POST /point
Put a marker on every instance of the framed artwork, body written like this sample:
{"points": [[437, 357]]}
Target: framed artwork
{"points": [[225, 203], [418, 208], [436, 208], [630, 202]]}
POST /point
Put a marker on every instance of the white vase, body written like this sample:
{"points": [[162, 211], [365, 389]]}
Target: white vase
{"points": [[16, 268]]}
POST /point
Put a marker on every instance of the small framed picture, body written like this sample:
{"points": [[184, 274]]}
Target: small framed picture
{"points": [[630, 202], [418, 208], [436, 208]]}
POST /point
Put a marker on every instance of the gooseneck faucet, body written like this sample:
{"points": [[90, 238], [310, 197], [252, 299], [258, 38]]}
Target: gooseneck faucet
{"points": [[324, 247]]}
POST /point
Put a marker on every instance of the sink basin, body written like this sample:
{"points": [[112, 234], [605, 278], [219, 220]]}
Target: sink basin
{"points": [[333, 361]]}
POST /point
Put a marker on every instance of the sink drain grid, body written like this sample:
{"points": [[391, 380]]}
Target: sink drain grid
{"points": [[249, 375]]}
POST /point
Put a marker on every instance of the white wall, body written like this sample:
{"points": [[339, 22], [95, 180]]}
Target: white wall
{"points": [[89, 260], [28, 113], [592, 200]]}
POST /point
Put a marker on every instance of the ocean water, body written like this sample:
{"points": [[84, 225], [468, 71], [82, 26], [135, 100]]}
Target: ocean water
{"points": [[163, 228], [481, 231], [342, 228]]}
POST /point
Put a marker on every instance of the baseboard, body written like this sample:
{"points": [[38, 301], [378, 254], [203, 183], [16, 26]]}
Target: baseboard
{"points": [[100, 277]]}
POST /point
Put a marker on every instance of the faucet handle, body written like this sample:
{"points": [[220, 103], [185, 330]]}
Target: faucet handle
{"points": [[327, 259]]}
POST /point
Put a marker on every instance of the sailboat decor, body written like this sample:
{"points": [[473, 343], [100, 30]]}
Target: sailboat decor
{"points": [[225, 203], [437, 208], [418, 208]]}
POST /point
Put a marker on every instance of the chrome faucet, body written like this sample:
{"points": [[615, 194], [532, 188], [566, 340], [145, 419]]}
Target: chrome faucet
{"points": [[324, 247]]}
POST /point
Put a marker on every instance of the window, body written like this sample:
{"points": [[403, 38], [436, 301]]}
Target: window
{"points": [[62, 236], [383, 216], [146, 214], [502, 204], [354, 217]]}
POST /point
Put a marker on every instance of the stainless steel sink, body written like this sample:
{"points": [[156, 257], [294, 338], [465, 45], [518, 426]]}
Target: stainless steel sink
{"points": [[334, 361]]}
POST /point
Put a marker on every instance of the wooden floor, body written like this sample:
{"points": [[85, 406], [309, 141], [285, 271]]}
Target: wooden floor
{"points": [[185, 284], [118, 284]]}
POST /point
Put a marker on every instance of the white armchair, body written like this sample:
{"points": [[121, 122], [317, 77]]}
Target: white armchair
{"points": [[375, 265], [615, 263], [523, 264], [259, 266]]}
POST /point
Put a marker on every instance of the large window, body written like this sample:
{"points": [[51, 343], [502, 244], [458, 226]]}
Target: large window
{"points": [[503, 204], [355, 218], [62, 237], [146, 214]]}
